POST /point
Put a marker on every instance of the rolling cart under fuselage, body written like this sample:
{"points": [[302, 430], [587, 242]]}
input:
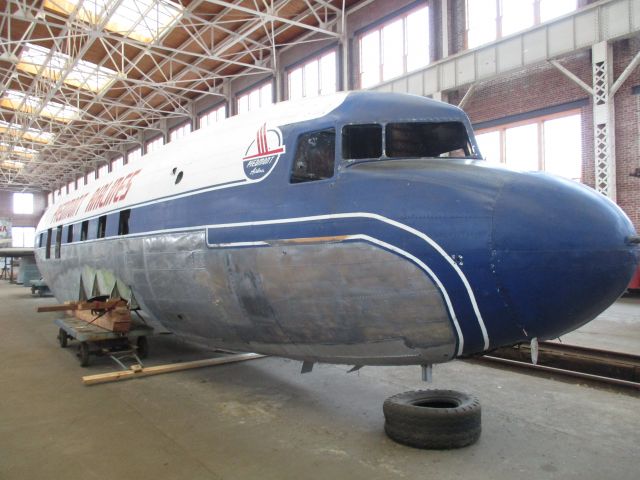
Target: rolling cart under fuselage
{"points": [[95, 340]]}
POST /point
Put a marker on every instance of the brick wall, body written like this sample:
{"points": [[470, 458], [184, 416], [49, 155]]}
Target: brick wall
{"points": [[6, 209], [544, 86]]}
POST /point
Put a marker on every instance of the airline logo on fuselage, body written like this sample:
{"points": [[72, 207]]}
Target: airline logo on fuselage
{"points": [[263, 153]]}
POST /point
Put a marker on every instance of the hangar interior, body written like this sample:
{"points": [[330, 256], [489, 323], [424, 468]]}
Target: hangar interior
{"points": [[89, 86]]}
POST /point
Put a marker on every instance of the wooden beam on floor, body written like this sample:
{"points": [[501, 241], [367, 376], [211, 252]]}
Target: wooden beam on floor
{"points": [[137, 371]]}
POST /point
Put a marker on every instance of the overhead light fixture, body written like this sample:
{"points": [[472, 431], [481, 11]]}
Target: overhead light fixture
{"points": [[30, 134], [16, 100], [143, 20], [35, 59]]}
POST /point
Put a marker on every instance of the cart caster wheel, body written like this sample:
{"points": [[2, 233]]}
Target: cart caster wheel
{"points": [[83, 354], [143, 347], [62, 338]]}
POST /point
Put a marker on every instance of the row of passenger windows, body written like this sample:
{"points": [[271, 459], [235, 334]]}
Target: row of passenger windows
{"points": [[86, 230], [314, 160], [315, 152]]}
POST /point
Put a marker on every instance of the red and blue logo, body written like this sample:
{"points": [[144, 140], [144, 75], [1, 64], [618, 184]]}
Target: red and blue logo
{"points": [[263, 153]]}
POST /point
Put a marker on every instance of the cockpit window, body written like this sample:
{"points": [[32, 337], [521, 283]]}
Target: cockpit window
{"points": [[315, 156], [361, 141], [421, 139]]}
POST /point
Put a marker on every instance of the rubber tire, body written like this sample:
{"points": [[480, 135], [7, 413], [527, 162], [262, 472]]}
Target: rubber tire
{"points": [[433, 419], [62, 338], [83, 354], [142, 347]]}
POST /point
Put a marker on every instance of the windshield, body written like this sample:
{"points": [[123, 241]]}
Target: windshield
{"points": [[406, 140]]}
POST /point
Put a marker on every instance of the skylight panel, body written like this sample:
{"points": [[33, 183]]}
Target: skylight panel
{"points": [[56, 111], [17, 150], [143, 20], [11, 164], [35, 59], [30, 134]]}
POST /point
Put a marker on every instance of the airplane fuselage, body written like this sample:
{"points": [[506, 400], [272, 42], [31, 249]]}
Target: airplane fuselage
{"points": [[266, 234]]}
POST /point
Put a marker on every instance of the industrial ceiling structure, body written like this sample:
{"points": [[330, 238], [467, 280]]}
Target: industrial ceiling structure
{"points": [[81, 78]]}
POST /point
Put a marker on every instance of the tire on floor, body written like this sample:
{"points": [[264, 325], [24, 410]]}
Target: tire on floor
{"points": [[433, 419]]}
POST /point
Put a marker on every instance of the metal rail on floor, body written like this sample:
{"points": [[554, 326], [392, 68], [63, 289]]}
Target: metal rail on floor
{"points": [[613, 368]]}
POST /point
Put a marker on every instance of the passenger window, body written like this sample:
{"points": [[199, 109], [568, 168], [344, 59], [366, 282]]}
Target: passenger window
{"points": [[58, 241], [123, 223], [48, 252], [419, 139], [70, 234], [84, 230], [41, 240], [102, 226], [315, 156], [361, 141]]}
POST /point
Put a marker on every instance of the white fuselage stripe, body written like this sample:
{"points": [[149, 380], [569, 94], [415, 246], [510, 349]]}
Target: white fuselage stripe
{"points": [[374, 216], [388, 221]]}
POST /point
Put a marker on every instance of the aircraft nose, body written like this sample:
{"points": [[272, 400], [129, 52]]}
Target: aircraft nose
{"points": [[561, 253]]}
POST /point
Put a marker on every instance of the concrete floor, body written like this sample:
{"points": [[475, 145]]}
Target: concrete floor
{"points": [[262, 420]]}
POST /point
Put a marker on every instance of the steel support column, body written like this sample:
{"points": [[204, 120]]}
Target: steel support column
{"points": [[603, 120]]}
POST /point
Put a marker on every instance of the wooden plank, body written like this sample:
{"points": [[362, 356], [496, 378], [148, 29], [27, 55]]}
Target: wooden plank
{"points": [[136, 371], [72, 306]]}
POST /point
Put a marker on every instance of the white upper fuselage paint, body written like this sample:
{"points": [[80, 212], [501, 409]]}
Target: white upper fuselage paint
{"points": [[213, 158]]}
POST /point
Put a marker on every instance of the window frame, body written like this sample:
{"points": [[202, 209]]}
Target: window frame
{"points": [[178, 128], [130, 153], [210, 112], [58, 245], [295, 155], [378, 26], [124, 216], [155, 143], [16, 202], [314, 57], [101, 227], [539, 122], [47, 254], [84, 230], [258, 86], [535, 5]]}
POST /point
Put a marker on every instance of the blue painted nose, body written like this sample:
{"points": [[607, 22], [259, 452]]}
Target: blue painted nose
{"points": [[561, 253]]}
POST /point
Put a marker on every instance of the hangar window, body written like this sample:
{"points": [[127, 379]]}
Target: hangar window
{"points": [[58, 241], [70, 234], [153, 144], [84, 230], [180, 131], [315, 77], [134, 154], [48, 251], [255, 98], [420, 139], [361, 141], [103, 171], [398, 46], [315, 156], [123, 222], [212, 116], [23, 203], [116, 163], [102, 226], [23, 236], [489, 20], [550, 143]]}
